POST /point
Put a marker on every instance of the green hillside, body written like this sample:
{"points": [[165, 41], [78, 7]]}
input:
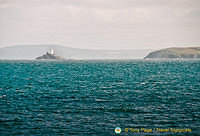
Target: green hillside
{"points": [[188, 52]]}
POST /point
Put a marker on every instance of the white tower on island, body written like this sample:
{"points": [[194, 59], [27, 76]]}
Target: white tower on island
{"points": [[52, 52]]}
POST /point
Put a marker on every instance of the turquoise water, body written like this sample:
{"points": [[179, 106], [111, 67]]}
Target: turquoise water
{"points": [[95, 97]]}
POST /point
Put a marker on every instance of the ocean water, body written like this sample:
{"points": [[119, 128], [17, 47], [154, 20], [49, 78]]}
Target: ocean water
{"points": [[95, 97]]}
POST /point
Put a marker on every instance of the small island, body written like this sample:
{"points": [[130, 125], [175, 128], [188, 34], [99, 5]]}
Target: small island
{"points": [[48, 56], [175, 53]]}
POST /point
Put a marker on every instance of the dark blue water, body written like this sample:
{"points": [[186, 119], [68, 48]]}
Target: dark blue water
{"points": [[95, 97]]}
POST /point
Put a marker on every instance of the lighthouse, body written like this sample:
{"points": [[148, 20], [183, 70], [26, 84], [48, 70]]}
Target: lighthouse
{"points": [[52, 52]]}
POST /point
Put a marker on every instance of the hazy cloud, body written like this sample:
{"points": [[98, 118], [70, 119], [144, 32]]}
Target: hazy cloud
{"points": [[101, 24]]}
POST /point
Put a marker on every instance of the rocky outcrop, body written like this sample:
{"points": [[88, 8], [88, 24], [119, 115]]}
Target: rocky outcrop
{"points": [[170, 53], [48, 56]]}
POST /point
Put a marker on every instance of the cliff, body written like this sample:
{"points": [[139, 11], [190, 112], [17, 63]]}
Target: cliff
{"points": [[184, 53]]}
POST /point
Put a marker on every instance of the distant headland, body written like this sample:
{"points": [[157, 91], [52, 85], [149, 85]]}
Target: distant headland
{"points": [[31, 52], [49, 55], [175, 53]]}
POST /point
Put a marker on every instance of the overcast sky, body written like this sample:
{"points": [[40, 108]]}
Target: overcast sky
{"points": [[101, 24]]}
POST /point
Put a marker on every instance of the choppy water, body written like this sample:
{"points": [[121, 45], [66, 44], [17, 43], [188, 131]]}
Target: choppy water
{"points": [[95, 97]]}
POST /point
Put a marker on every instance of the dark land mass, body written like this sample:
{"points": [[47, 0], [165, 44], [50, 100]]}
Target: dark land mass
{"points": [[170, 53], [48, 56]]}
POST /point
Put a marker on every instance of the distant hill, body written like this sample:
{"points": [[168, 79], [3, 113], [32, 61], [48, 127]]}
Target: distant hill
{"points": [[30, 52], [188, 53]]}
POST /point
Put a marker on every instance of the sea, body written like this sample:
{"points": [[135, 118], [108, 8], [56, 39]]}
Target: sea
{"points": [[100, 97]]}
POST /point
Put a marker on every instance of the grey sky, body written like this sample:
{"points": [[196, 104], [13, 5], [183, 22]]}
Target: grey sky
{"points": [[101, 24]]}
